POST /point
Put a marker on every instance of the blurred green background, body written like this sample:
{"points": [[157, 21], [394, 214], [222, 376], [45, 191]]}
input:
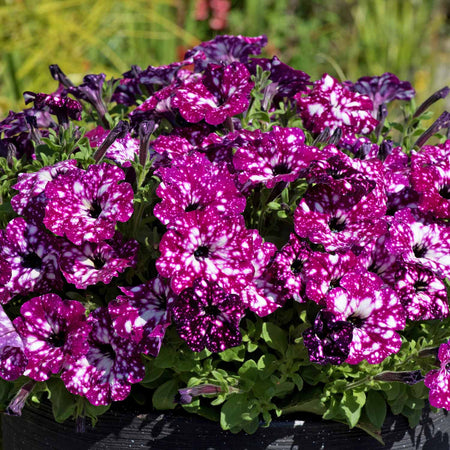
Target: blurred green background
{"points": [[346, 38]]}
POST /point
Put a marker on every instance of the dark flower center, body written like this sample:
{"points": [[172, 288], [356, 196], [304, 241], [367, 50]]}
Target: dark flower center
{"points": [[445, 192], [107, 350], [32, 261], [334, 283], [95, 210], [297, 266], [337, 224], [420, 285], [201, 252], [281, 169], [57, 339], [357, 321], [336, 173], [419, 250], [192, 207], [212, 310], [447, 367], [99, 262]]}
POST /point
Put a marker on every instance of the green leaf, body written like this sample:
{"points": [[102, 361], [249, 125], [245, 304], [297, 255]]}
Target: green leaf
{"points": [[163, 398], [232, 411], [376, 408], [63, 402], [352, 404], [275, 337]]}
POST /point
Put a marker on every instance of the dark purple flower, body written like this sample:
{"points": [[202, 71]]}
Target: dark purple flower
{"points": [[105, 373], [54, 333], [85, 205], [122, 150], [170, 148], [207, 317], [375, 312], [33, 258], [31, 200], [143, 313], [438, 380], [91, 263], [383, 89], [57, 104], [226, 49], [205, 245], [286, 81], [195, 184], [222, 92], [422, 293], [420, 242], [332, 105], [328, 340], [12, 357], [91, 91], [278, 155]]}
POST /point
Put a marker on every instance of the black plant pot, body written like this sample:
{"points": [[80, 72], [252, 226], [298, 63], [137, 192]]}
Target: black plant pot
{"points": [[36, 430]]}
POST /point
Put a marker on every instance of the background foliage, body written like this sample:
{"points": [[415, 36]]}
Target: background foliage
{"points": [[346, 38]]}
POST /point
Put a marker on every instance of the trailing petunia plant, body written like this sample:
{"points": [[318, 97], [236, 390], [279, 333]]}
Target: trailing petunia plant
{"points": [[226, 236]]}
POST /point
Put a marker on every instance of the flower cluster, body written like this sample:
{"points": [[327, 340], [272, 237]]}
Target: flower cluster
{"points": [[206, 215]]}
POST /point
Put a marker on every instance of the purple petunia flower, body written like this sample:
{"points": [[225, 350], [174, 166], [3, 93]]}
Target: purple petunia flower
{"points": [[207, 317], [85, 205], [422, 293], [222, 92], [12, 357], [205, 245], [418, 241], [324, 271], [195, 184], [54, 333], [279, 155], [332, 105], [30, 202], [144, 313], [383, 89], [375, 312], [226, 49], [91, 263], [105, 373], [32, 256], [337, 222], [122, 150], [438, 380], [328, 340]]}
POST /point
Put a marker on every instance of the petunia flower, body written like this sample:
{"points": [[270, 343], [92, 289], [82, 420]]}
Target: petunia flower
{"points": [[375, 312], [207, 317], [143, 313], [91, 263], [206, 245], [86, 205], [54, 333], [438, 380], [12, 357], [221, 93], [328, 340], [330, 104], [193, 183], [105, 373], [32, 256]]}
